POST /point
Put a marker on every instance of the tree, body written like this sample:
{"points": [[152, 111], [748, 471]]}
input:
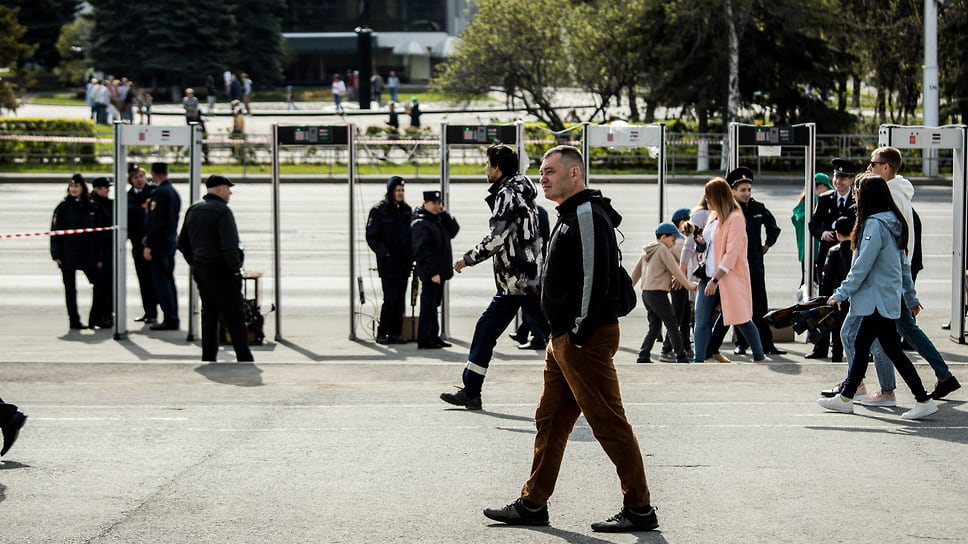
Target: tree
{"points": [[14, 78], [259, 44], [73, 45], [43, 20], [515, 46], [953, 65]]}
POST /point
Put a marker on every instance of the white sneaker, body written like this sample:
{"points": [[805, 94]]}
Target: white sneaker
{"points": [[879, 398], [837, 403], [921, 409]]}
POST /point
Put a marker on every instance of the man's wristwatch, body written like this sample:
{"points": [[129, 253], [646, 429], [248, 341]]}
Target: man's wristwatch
{"points": [[715, 280]]}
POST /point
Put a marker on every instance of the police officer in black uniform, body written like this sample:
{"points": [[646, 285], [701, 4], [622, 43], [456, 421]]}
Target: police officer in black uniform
{"points": [[161, 228], [758, 218], [388, 235], [138, 195], [831, 206], [432, 229], [11, 421], [73, 252], [209, 241], [103, 311]]}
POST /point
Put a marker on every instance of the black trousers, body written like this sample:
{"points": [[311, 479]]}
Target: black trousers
{"points": [[431, 295], [221, 296], [394, 306], [69, 277], [163, 278], [884, 330], [102, 311], [143, 269], [660, 312], [683, 310]]}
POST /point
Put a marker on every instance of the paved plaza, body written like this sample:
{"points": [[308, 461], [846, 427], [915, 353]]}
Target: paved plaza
{"points": [[325, 439]]}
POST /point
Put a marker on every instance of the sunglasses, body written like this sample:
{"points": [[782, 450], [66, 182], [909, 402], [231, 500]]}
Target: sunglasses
{"points": [[872, 163]]}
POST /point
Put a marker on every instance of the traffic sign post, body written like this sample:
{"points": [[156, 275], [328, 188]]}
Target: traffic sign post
{"points": [[936, 138]]}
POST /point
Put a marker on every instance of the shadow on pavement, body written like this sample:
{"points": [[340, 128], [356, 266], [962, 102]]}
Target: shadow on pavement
{"points": [[240, 374], [650, 537]]}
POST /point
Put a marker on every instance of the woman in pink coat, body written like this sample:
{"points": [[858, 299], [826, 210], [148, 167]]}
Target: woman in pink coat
{"points": [[727, 281]]}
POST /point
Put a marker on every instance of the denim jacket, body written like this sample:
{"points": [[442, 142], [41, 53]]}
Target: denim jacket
{"points": [[880, 275]]}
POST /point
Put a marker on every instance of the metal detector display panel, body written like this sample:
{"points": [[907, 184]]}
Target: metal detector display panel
{"points": [[799, 135], [624, 136], [313, 135], [481, 134], [921, 137]]}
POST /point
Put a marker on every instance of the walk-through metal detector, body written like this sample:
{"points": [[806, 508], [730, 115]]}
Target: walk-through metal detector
{"points": [[321, 136], [127, 135], [934, 138], [627, 136], [771, 140], [473, 135]]}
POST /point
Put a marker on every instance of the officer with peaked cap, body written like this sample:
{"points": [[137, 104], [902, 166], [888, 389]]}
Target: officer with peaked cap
{"points": [[831, 206]]}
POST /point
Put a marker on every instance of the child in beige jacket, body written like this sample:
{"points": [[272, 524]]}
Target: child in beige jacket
{"points": [[657, 267]]}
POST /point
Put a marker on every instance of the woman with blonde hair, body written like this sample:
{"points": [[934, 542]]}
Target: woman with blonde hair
{"points": [[727, 282]]}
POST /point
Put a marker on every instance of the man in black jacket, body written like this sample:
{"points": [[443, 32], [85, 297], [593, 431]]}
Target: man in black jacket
{"points": [[758, 218], [161, 227], [102, 312], [579, 374], [209, 241], [138, 196], [432, 229], [388, 235]]}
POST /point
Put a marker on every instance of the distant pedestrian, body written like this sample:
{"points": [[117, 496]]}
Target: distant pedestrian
{"points": [[414, 112], [11, 421], [246, 93], [210, 92], [290, 98], [376, 83], [238, 118], [161, 227], [393, 84], [193, 112], [235, 89], [393, 120], [73, 252], [339, 91], [579, 374], [143, 101], [432, 229], [209, 242]]}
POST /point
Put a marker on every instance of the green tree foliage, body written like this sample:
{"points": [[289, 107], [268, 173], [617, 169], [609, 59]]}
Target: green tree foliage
{"points": [[197, 38], [953, 65], [517, 46], [72, 45], [14, 78], [43, 20]]}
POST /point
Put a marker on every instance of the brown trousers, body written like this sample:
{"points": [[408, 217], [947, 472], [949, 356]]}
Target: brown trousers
{"points": [[583, 380]]}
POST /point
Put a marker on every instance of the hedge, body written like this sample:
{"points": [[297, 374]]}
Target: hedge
{"points": [[15, 150]]}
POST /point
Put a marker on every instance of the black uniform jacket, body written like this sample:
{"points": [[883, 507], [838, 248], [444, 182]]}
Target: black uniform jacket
{"points": [[758, 217], [161, 222], [137, 209], [209, 238], [77, 251], [388, 235], [431, 244]]}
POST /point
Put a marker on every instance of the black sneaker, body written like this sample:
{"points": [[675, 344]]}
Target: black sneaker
{"points": [[461, 398], [382, 339], [517, 513], [944, 387], [627, 521], [831, 393]]}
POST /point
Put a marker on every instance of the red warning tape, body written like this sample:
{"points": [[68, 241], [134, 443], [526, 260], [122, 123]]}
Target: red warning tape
{"points": [[57, 232]]}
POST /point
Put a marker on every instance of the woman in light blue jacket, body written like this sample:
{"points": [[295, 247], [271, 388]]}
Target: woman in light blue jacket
{"points": [[878, 276]]}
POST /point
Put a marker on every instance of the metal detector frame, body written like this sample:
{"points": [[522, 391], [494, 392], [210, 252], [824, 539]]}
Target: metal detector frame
{"points": [[127, 135], [445, 189], [954, 137], [810, 160], [627, 136], [276, 230]]}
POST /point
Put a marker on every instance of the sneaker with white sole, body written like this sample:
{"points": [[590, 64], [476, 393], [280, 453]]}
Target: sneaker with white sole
{"points": [[837, 404], [880, 398], [921, 409]]}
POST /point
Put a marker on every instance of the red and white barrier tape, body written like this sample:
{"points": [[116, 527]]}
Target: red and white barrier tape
{"points": [[57, 232]]}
